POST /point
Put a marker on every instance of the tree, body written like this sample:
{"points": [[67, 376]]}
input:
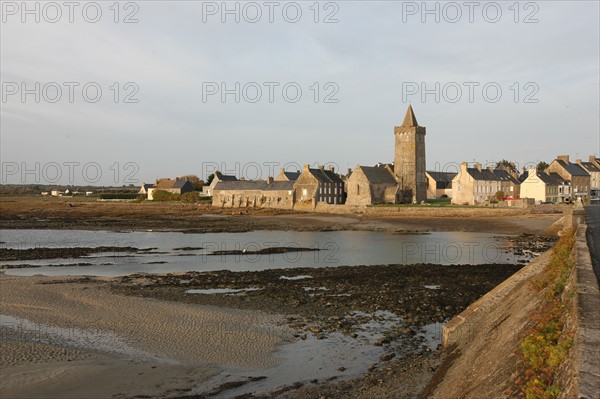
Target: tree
{"points": [[506, 165], [210, 178], [499, 195], [541, 166]]}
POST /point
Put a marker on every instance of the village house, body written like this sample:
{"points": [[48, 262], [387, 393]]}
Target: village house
{"points": [[144, 188], [287, 176], [477, 185], [545, 187], [509, 183], [439, 184], [254, 193], [592, 167], [218, 177], [173, 186], [579, 178], [369, 185], [319, 185]]}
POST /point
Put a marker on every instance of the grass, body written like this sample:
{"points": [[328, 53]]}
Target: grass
{"points": [[548, 342]]}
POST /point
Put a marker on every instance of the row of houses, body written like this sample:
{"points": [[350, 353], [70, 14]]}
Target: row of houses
{"points": [[173, 186], [562, 182]]}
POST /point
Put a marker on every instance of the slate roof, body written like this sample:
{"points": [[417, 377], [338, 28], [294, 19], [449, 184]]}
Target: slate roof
{"points": [[292, 175], [260, 185], [227, 177], [572, 168], [442, 180], [378, 174], [280, 185], [326, 176], [483, 174], [506, 176], [590, 167], [552, 179], [241, 185], [181, 183]]}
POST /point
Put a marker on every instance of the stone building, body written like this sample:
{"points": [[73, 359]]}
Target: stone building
{"points": [[472, 186], [254, 194], [509, 182], [208, 190], [174, 186], [319, 185], [369, 185], [409, 159], [579, 178], [439, 184], [592, 167], [287, 176]]}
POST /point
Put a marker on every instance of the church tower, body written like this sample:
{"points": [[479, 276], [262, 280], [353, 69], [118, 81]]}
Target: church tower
{"points": [[409, 160]]}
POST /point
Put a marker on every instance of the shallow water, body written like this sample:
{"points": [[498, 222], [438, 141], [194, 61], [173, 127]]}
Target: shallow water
{"points": [[337, 248]]}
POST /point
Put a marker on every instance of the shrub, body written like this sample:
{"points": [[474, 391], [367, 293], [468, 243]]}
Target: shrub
{"points": [[162, 195]]}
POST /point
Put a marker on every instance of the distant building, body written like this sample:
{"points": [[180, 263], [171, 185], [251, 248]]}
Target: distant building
{"points": [[369, 185], [509, 183], [545, 187], [287, 176], [218, 177], [592, 167], [477, 185], [174, 186], [439, 184], [319, 185], [579, 178], [145, 187], [254, 193]]}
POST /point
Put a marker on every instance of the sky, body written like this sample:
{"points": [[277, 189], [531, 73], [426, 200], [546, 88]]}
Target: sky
{"points": [[113, 93]]}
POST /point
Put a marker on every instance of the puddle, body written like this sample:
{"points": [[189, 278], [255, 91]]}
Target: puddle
{"points": [[226, 291], [335, 357], [301, 277]]}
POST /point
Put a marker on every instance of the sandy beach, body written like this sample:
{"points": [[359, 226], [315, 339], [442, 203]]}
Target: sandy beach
{"points": [[130, 341]]}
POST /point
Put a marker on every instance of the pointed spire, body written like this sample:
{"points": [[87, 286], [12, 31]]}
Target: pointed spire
{"points": [[410, 120]]}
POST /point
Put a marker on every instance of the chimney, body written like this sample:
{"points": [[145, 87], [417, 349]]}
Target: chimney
{"points": [[578, 161], [592, 159], [489, 168], [331, 168], [306, 167], [321, 167], [533, 172], [269, 180], [563, 158], [349, 172], [478, 166], [281, 171]]}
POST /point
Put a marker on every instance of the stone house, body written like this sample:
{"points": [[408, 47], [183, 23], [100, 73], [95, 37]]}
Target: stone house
{"points": [[592, 167], [439, 184], [579, 178], [319, 185], [368, 185], [174, 186], [287, 176], [254, 193], [208, 190], [472, 186], [509, 183], [545, 187]]}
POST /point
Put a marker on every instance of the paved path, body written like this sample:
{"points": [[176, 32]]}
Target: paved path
{"points": [[592, 219]]}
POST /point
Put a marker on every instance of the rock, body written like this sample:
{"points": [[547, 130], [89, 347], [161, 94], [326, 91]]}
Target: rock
{"points": [[342, 368], [387, 356]]}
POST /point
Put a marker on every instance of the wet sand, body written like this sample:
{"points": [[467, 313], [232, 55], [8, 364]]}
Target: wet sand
{"points": [[181, 340]]}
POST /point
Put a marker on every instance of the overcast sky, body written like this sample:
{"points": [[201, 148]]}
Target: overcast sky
{"points": [[357, 75]]}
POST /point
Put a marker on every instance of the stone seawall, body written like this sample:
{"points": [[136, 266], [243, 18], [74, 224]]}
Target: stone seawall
{"points": [[587, 338]]}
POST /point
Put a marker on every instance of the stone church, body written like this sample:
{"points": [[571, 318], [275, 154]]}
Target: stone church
{"points": [[404, 181]]}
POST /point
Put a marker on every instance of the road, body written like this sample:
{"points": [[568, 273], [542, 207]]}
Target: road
{"points": [[592, 219]]}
